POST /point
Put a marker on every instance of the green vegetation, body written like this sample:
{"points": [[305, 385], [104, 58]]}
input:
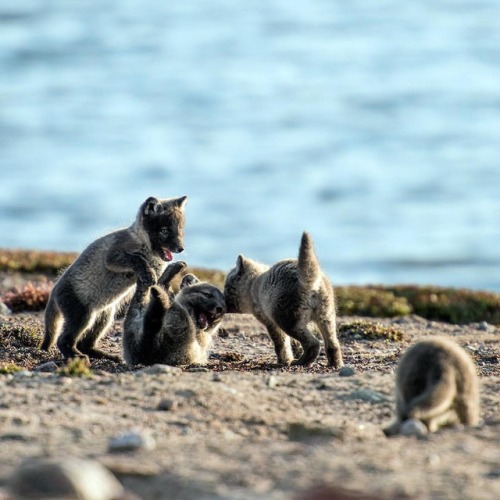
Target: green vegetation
{"points": [[370, 331], [452, 305], [76, 367], [35, 261], [6, 368], [434, 303], [362, 301]]}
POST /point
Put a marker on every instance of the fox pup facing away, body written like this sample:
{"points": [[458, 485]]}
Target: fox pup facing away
{"points": [[288, 298], [83, 302], [436, 383], [173, 330]]}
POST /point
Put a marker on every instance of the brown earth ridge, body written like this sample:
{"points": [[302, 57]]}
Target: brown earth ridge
{"points": [[242, 427]]}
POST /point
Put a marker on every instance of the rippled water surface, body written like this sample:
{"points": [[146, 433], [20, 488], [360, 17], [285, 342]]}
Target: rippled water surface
{"points": [[374, 125]]}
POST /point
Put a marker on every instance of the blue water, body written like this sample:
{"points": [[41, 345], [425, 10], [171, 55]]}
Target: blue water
{"points": [[374, 125]]}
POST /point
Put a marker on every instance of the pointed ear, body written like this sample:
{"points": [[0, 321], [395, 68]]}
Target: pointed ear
{"points": [[151, 205], [181, 202], [240, 263], [188, 280]]}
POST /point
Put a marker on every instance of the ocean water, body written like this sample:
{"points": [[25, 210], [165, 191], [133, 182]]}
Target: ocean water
{"points": [[373, 125]]}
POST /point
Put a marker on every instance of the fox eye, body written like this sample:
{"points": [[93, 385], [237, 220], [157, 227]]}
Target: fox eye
{"points": [[164, 231]]}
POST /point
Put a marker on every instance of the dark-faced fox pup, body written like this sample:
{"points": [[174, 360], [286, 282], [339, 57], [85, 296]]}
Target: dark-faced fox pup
{"points": [[174, 330], [288, 298], [83, 302], [436, 383]]}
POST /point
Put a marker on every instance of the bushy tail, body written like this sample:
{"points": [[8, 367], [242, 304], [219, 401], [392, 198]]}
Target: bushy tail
{"points": [[53, 319], [309, 270]]}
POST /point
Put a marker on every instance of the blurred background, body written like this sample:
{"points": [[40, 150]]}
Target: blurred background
{"points": [[373, 125]]}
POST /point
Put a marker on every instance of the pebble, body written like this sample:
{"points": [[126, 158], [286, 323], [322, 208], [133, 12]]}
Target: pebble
{"points": [[413, 427], [199, 369], [368, 395], [23, 374], [484, 326], [347, 371], [4, 309], [272, 381], [50, 366], [168, 405], [68, 478], [160, 369], [131, 441]]}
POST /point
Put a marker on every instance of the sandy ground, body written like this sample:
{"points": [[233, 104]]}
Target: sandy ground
{"points": [[244, 428]]}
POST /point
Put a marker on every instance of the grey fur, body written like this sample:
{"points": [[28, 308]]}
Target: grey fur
{"points": [[288, 298], [436, 383], [173, 330], [86, 297]]}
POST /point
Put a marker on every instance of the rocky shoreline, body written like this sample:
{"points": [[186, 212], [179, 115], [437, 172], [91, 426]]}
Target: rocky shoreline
{"points": [[243, 427]]}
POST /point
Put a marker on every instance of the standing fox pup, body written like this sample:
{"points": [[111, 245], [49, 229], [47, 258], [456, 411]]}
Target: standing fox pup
{"points": [[436, 383], [85, 298], [286, 298], [161, 328]]}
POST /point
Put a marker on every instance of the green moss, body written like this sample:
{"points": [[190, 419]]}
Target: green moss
{"points": [[435, 303], [453, 305], [76, 367], [363, 301], [370, 331], [35, 261], [6, 368]]}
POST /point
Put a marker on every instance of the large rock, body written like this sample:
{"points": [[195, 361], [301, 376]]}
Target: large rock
{"points": [[71, 478]]}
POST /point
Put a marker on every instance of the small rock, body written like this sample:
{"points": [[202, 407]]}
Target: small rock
{"points": [[161, 369], [413, 427], [272, 381], [168, 405], [200, 369], [68, 478], [23, 374], [484, 326], [131, 441], [217, 377], [367, 395], [347, 371], [4, 309], [50, 366]]}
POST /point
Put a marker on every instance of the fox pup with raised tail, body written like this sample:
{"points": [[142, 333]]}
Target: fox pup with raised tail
{"points": [[174, 330], [436, 383], [288, 299], [83, 302]]}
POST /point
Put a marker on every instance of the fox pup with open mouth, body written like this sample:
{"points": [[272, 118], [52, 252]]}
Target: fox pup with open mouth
{"points": [[83, 302], [174, 330]]}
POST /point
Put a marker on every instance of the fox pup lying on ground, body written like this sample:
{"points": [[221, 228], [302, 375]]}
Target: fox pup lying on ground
{"points": [[436, 383], [287, 298], [174, 330], [86, 296]]}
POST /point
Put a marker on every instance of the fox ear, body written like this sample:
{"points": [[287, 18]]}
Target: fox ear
{"points": [[188, 280], [240, 263], [181, 202], [151, 205]]}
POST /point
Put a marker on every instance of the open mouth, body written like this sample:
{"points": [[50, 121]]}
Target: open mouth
{"points": [[166, 254], [205, 319]]}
